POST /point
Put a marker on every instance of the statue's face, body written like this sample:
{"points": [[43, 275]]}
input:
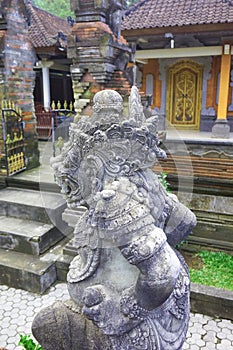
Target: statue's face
{"points": [[66, 169], [69, 188], [78, 178]]}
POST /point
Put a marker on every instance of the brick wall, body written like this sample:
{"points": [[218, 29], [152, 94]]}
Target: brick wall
{"points": [[19, 58]]}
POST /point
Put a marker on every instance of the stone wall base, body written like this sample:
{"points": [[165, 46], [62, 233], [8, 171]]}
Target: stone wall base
{"points": [[211, 301]]}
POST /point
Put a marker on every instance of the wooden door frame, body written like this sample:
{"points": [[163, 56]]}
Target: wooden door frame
{"points": [[172, 70]]}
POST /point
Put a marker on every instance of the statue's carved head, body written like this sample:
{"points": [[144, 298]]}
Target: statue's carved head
{"points": [[106, 146]]}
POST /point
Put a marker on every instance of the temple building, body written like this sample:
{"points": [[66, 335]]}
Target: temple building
{"points": [[184, 61], [34, 69], [179, 53], [48, 34]]}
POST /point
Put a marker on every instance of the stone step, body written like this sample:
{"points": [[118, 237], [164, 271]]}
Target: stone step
{"points": [[62, 266], [31, 184], [33, 205], [201, 243], [216, 235], [24, 271], [27, 236]]}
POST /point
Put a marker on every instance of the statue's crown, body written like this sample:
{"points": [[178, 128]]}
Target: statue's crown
{"points": [[128, 142]]}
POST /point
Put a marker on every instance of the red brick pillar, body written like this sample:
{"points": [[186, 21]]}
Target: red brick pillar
{"points": [[19, 59]]}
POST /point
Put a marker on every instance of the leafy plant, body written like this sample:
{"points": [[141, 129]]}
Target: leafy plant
{"points": [[28, 343], [163, 180], [60, 8], [217, 270]]}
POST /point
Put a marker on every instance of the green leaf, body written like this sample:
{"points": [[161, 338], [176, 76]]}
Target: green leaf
{"points": [[28, 343], [163, 180]]}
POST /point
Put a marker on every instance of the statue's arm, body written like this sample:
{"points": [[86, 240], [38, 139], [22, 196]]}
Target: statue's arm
{"points": [[180, 223], [158, 265]]}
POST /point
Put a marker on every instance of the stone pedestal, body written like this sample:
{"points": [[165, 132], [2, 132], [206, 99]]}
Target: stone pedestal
{"points": [[221, 129]]}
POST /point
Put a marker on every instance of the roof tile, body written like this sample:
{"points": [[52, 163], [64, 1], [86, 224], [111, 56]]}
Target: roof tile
{"points": [[45, 27], [166, 13]]}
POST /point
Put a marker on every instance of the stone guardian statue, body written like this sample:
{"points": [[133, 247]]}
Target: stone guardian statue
{"points": [[128, 286]]}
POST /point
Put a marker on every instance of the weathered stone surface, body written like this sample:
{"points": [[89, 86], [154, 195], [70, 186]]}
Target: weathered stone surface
{"points": [[18, 73], [26, 271], [31, 224], [32, 205], [27, 236], [211, 301], [215, 220], [98, 50], [129, 287], [221, 129]]}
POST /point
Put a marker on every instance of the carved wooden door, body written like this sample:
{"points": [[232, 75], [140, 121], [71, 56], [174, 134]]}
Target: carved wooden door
{"points": [[184, 95]]}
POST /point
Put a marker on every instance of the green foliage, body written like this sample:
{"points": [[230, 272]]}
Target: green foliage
{"points": [[217, 270], [28, 343], [163, 180], [60, 8]]}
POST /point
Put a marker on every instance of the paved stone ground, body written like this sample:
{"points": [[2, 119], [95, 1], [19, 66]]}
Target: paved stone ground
{"points": [[18, 308]]}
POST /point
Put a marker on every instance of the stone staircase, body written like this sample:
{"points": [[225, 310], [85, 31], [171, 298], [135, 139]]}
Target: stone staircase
{"points": [[32, 237]]}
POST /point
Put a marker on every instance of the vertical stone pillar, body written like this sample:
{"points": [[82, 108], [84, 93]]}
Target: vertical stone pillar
{"points": [[221, 129]]}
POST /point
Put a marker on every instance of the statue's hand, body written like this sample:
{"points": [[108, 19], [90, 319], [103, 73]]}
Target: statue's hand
{"points": [[103, 308]]}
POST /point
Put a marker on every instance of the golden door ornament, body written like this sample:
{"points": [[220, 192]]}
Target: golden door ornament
{"points": [[184, 94]]}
